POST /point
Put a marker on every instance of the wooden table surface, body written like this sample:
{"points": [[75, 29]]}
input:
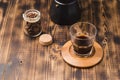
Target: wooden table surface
{"points": [[22, 58]]}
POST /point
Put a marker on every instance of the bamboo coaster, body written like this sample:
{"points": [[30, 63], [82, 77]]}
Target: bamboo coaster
{"points": [[71, 58]]}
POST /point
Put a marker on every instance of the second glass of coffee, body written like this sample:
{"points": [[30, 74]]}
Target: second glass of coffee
{"points": [[82, 36]]}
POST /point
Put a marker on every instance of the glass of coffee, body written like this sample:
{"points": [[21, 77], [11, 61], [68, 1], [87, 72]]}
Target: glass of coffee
{"points": [[83, 36]]}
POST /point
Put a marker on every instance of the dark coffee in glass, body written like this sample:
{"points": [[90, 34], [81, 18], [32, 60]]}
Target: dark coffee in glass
{"points": [[82, 44], [82, 37]]}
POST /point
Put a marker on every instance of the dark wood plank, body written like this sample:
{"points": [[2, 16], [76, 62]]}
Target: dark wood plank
{"points": [[22, 58], [6, 29], [106, 30]]}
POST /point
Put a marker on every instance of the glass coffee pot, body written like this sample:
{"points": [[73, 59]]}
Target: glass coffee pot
{"points": [[65, 12]]}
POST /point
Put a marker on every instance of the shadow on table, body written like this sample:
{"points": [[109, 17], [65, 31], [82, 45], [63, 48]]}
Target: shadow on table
{"points": [[117, 40]]}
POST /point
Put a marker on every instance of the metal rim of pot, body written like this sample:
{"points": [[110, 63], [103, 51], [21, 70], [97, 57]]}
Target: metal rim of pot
{"points": [[65, 3]]}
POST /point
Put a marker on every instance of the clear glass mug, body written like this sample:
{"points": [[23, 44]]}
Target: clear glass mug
{"points": [[83, 36]]}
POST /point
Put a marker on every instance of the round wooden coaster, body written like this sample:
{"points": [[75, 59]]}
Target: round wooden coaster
{"points": [[71, 58]]}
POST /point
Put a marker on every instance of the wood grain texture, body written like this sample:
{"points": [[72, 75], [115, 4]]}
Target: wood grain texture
{"points": [[22, 58]]}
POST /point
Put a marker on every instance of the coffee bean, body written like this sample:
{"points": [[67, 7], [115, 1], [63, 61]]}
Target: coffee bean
{"points": [[32, 15]]}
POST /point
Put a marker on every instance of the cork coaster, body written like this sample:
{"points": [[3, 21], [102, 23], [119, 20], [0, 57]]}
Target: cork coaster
{"points": [[45, 39], [71, 58]]}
